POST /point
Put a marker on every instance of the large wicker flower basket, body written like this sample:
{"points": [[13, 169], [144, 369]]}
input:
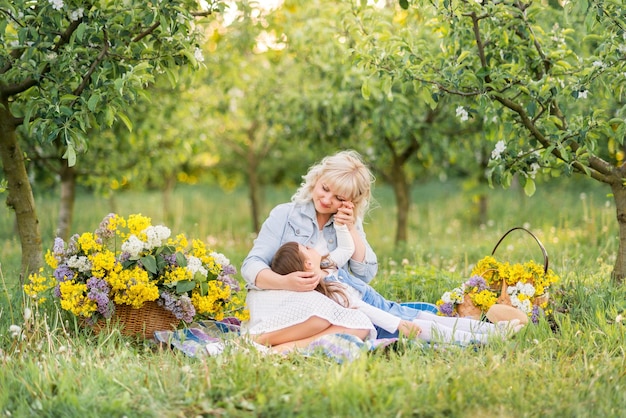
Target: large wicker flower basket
{"points": [[140, 322]]}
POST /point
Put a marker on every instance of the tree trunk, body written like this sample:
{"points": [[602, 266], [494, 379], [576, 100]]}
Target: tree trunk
{"points": [[619, 270], [254, 192], [68, 198], [20, 195], [402, 193]]}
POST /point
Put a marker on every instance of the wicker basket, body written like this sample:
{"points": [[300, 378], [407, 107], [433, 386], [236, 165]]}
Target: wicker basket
{"points": [[468, 309], [141, 322]]}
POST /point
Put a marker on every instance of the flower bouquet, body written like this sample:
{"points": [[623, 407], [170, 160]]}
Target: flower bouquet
{"points": [[521, 285], [130, 265]]}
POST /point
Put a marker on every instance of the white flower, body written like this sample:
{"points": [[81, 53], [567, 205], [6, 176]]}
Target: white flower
{"points": [[194, 265], [16, 331], [133, 246], [583, 94], [619, 318], [56, 4], [156, 236], [198, 55], [27, 314], [220, 259], [534, 168], [76, 14], [498, 150], [462, 113], [81, 263], [599, 64], [446, 297]]}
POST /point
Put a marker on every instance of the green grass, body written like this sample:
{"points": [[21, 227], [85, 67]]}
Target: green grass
{"points": [[573, 365]]}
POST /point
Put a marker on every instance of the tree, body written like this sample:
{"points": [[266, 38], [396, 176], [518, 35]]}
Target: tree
{"points": [[550, 76], [68, 68]]}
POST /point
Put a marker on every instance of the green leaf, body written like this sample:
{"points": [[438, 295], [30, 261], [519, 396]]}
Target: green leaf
{"points": [[149, 262], [70, 155], [126, 121], [181, 260], [92, 104], [185, 286], [404, 4], [529, 187]]}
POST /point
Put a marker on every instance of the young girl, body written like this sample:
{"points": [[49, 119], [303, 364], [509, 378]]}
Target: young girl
{"points": [[391, 317]]}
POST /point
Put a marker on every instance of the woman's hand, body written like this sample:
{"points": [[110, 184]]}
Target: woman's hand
{"points": [[409, 329], [301, 281], [345, 215]]}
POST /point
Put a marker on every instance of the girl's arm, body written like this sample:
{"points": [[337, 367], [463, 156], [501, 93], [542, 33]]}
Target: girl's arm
{"points": [[345, 245]]}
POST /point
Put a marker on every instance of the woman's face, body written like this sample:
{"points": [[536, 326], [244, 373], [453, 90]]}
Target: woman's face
{"points": [[310, 255], [325, 199]]}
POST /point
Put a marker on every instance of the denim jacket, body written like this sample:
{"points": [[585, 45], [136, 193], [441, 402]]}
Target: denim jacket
{"points": [[297, 222]]}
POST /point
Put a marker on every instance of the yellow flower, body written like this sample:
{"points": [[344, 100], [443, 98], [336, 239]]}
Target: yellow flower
{"points": [[484, 299], [51, 259], [137, 223], [74, 299], [102, 263], [177, 274], [180, 242], [39, 284], [87, 243]]}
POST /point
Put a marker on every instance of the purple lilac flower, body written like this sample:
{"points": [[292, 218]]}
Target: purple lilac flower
{"points": [[229, 270], [72, 246], [170, 259], [103, 230], [478, 282], [58, 249], [231, 282], [536, 313], [99, 293], [57, 291], [125, 256], [180, 306], [447, 309], [63, 273]]}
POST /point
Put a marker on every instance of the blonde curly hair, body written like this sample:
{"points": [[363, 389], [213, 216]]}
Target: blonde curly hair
{"points": [[345, 173]]}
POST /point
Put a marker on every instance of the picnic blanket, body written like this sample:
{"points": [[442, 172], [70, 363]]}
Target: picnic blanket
{"points": [[210, 338]]}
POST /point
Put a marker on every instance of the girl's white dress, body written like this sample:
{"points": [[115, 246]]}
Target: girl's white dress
{"points": [[272, 310]]}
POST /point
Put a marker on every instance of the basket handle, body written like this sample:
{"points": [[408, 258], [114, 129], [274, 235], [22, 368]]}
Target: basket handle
{"points": [[543, 249]]}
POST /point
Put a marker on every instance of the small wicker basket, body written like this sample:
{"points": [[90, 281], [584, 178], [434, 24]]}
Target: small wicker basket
{"points": [[141, 322], [504, 297]]}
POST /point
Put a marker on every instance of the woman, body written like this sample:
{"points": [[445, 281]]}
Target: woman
{"points": [[282, 307], [338, 188]]}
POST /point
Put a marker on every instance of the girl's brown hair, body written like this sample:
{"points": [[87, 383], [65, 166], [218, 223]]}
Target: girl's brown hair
{"points": [[288, 259]]}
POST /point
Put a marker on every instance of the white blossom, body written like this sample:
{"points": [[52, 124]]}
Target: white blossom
{"points": [[156, 236], [194, 265], [534, 168], [81, 263], [133, 246], [77, 14], [56, 4], [498, 150], [16, 331], [198, 55], [462, 113], [220, 259], [583, 94]]}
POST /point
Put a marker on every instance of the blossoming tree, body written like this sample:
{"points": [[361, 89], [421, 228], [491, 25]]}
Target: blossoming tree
{"points": [[550, 77], [71, 67]]}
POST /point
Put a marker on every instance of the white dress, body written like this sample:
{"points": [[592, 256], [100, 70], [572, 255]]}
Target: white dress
{"points": [[272, 310]]}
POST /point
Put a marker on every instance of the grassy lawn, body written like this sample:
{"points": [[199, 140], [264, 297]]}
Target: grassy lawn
{"points": [[572, 365]]}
